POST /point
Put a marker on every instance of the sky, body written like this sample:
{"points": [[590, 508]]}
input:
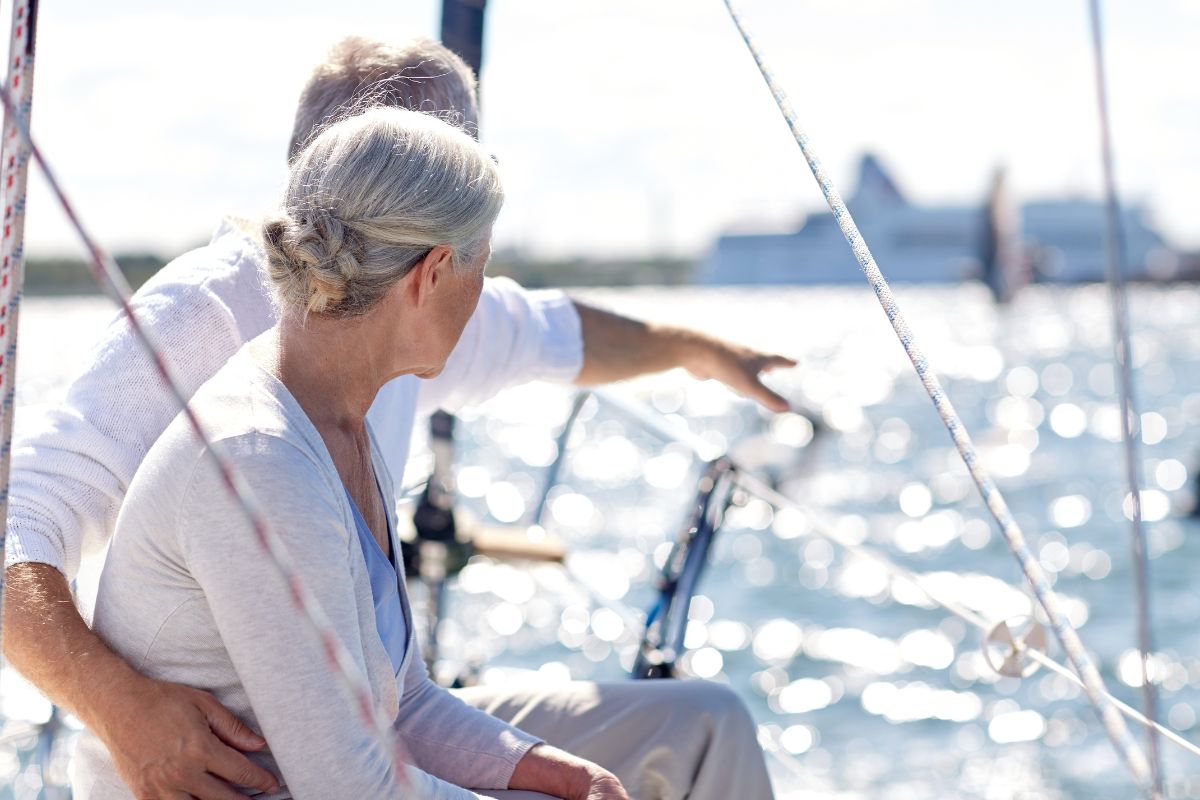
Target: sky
{"points": [[623, 126]]}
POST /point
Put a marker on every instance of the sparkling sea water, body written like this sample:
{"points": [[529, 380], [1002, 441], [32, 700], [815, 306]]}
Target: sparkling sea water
{"points": [[860, 688]]}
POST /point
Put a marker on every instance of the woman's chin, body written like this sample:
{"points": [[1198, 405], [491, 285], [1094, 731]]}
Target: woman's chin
{"points": [[431, 372]]}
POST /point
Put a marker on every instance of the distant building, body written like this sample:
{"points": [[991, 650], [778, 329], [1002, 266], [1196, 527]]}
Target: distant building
{"points": [[1059, 241], [1065, 241], [1187, 267]]}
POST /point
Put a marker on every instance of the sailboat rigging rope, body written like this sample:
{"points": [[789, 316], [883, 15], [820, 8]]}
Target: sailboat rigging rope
{"points": [[108, 275], [1130, 425], [1093, 684], [824, 529], [14, 158], [763, 491]]}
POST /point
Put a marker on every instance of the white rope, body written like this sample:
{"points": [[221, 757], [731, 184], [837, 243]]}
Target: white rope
{"points": [[1094, 688], [1131, 420], [822, 528]]}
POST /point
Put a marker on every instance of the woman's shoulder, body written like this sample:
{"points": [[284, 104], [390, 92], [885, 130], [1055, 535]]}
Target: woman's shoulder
{"points": [[249, 418], [248, 414], [244, 398]]}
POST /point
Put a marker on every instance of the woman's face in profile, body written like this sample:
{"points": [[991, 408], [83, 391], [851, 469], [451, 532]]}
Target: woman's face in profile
{"points": [[457, 304], [469, 286]]}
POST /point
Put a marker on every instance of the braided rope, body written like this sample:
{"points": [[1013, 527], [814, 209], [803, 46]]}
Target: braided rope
{"points": [[14, 171], [1131, 420], [1093, 684], [108, 275]]}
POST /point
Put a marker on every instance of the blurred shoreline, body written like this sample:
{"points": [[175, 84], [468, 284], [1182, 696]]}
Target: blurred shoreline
{"points": [[59, 277]]}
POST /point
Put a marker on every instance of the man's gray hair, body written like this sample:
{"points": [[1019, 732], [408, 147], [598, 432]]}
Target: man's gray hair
{"points": [[419, 74]]}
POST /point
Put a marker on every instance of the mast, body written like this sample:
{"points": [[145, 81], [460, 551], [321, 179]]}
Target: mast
{"points": [[1003, 267], [462, 29]]}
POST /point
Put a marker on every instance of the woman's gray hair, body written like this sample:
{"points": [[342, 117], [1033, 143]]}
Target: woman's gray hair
{"points": [[367, 199]]}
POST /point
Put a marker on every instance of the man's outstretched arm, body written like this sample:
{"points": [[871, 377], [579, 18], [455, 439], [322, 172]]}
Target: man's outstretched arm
{"points": [[617, 347], [164, 738]]}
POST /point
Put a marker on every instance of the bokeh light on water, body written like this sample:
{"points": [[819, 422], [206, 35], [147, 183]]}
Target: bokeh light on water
{"points": [[862, 689]]}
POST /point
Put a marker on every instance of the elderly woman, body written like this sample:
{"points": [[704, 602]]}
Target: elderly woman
{"points": [[377, 260]]}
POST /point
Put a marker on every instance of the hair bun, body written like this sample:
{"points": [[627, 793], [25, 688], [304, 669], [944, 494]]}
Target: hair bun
{"points": [[314, 258]]}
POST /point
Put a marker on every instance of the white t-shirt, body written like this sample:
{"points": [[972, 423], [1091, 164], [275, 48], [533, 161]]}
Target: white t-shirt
{"points": [[71, 469]]}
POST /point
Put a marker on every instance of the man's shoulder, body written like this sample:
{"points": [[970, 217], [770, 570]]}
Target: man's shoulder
{"points": [[228, 268]]}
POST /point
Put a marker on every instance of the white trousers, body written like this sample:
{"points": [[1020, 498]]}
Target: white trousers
{"points": [[664, 739]]}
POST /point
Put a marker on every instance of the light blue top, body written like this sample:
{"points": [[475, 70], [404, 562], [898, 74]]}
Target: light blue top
{"points": [[385, 590]]}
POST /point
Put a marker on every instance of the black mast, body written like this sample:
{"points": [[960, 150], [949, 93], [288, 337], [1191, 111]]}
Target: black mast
{"points": [[462, 29]]}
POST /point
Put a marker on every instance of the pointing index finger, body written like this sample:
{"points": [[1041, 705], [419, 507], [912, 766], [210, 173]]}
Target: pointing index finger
{"points": [[777, 362]]}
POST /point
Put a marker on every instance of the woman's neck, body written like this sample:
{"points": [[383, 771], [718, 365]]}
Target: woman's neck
{"points": [[334, 369]]}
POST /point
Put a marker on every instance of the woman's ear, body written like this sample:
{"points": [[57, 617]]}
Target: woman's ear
{"points": [[427, 274]]}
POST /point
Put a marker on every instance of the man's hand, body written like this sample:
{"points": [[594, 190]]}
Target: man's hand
{"points": [[167, 741], [557, 773], [616, 348], [739, 368]]}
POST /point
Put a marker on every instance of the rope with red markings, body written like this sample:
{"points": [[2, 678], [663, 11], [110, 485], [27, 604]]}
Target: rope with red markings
{"points": [[109, 277], [14, 156]]}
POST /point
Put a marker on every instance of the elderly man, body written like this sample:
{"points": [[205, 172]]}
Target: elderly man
{"points": [[663, 739]]}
